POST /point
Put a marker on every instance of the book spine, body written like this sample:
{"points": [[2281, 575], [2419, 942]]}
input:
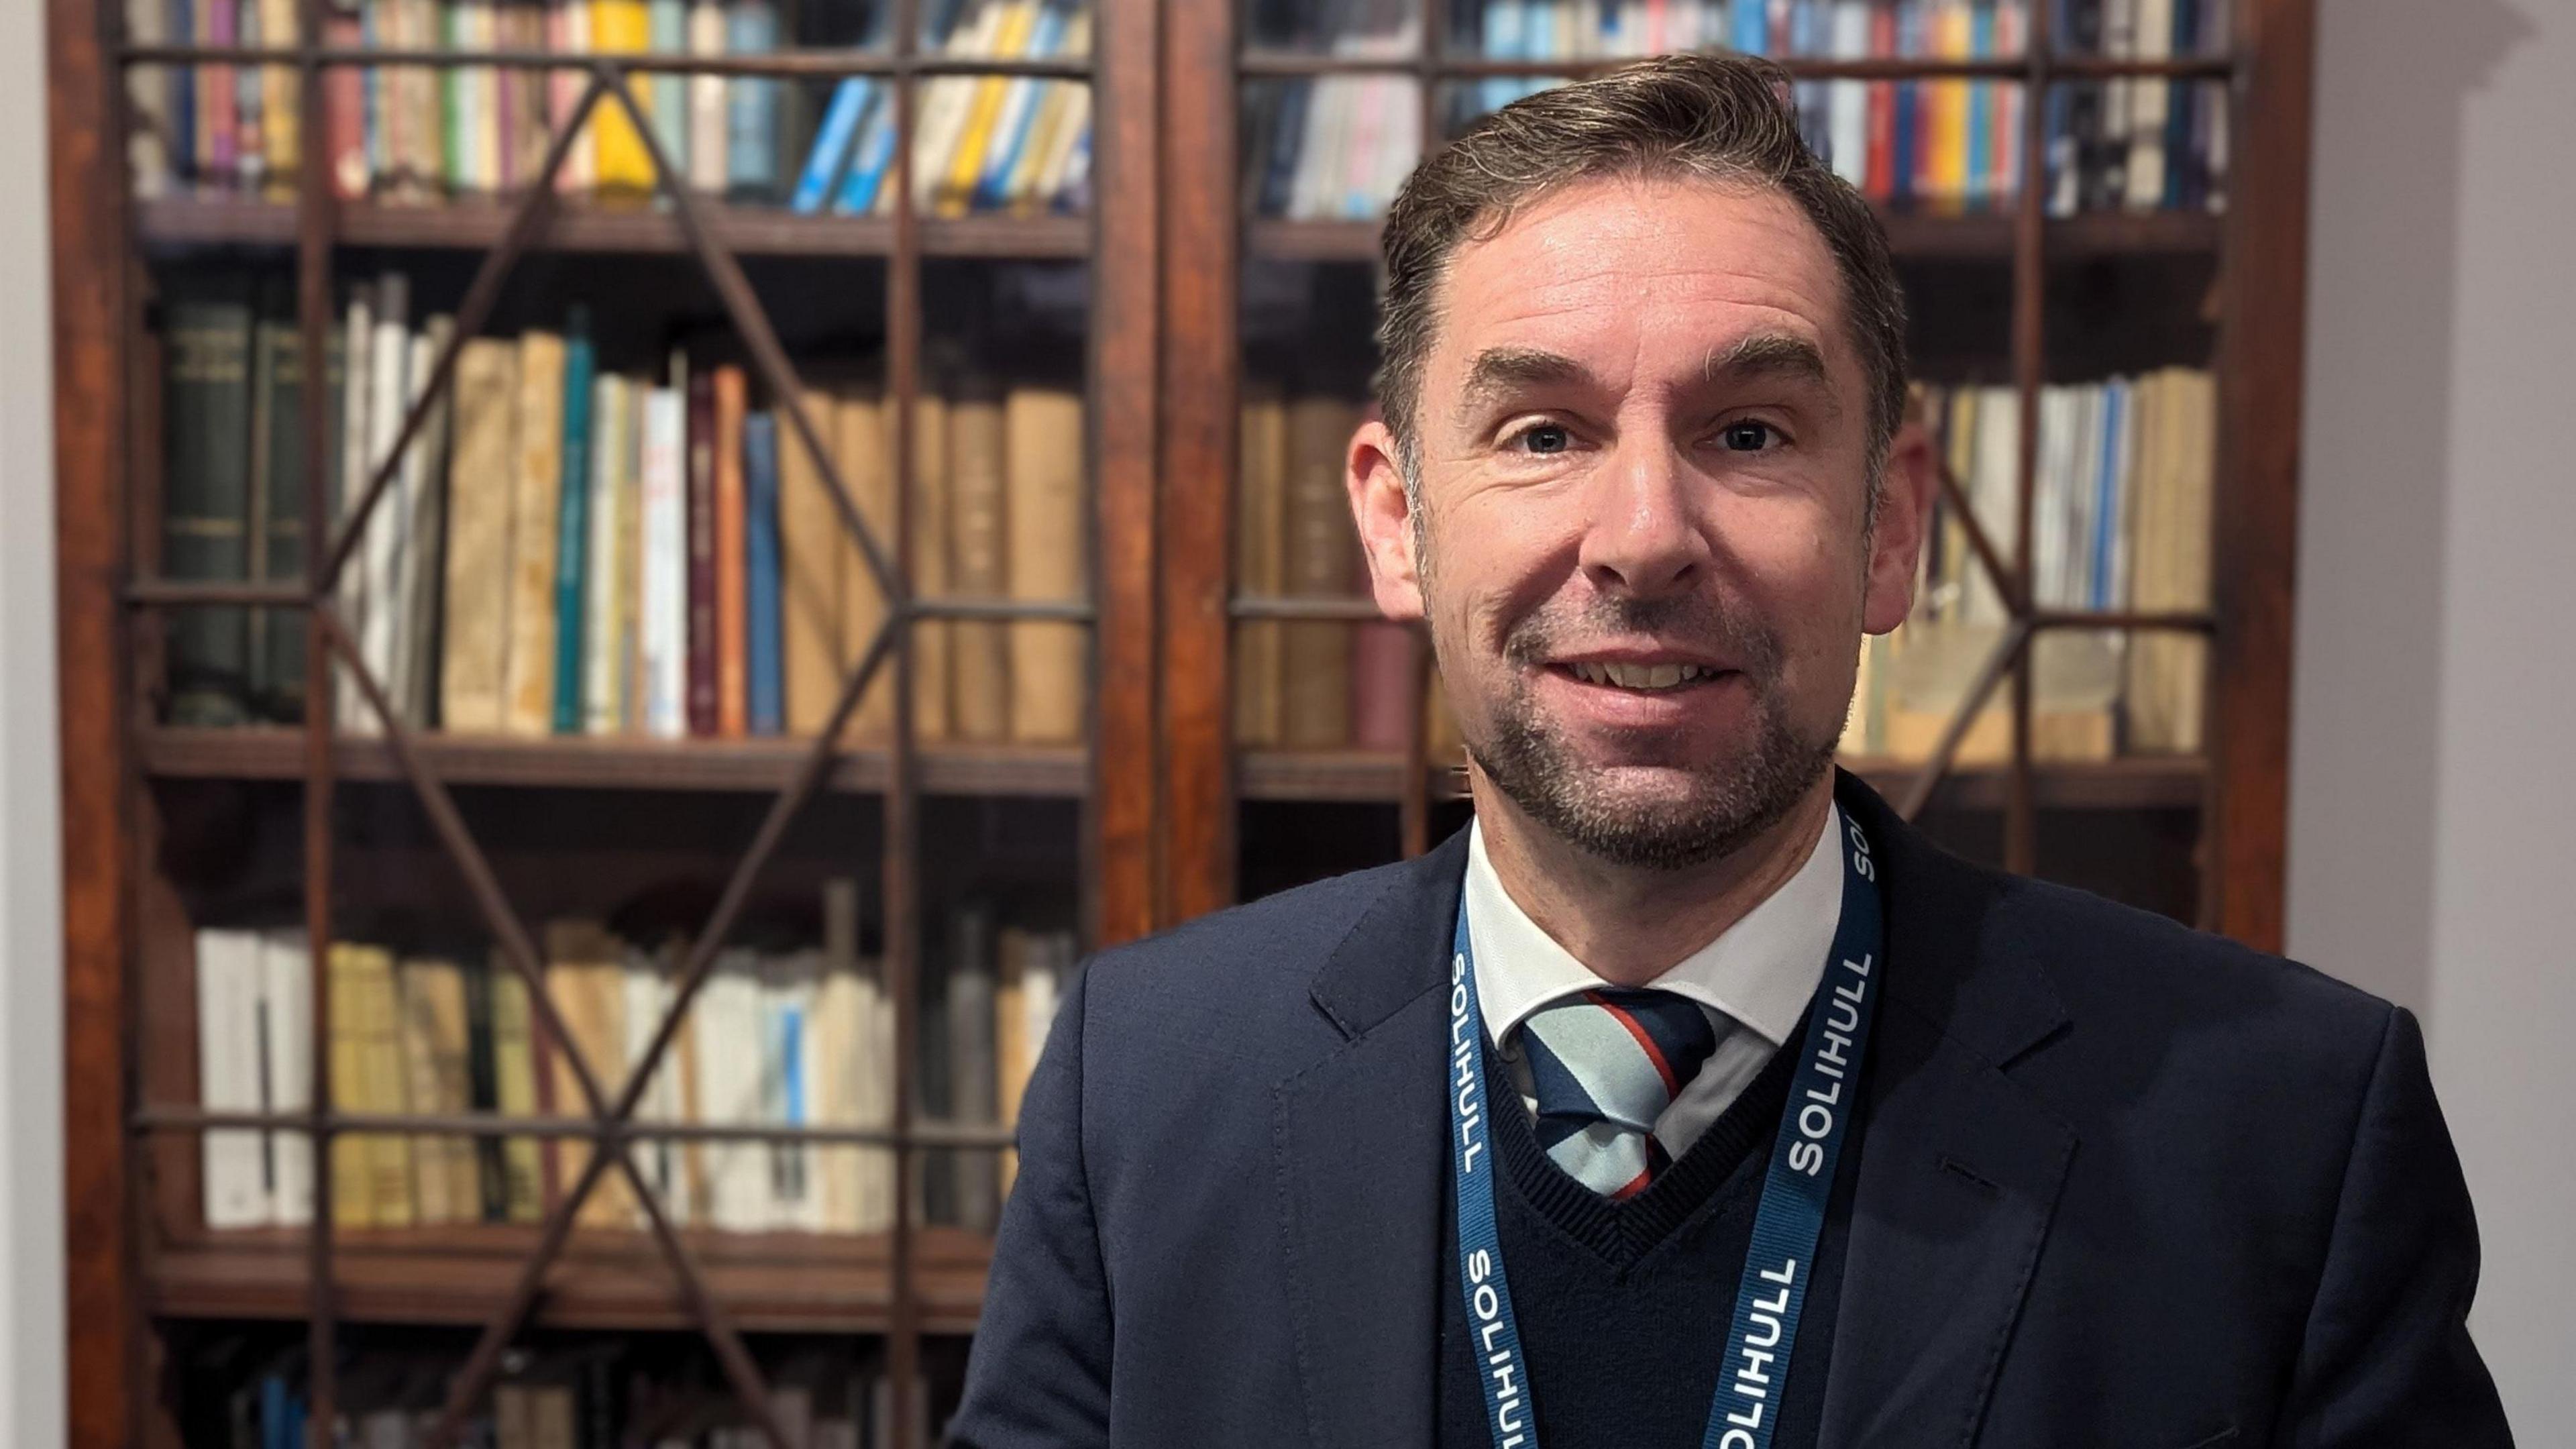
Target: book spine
{"points": [[514, 1090], [1044, 528], [751, 104], [707, 110], [572, 531], [668, 24], [768, 705], [811, 544], [979, 548], [872, 156], [278, 479], [286, 1004], [475, 639], [663, 633], [206, 518], [832, 142], [702, 713], [228, 1077], [603, 656], [732, 555], [529, 663]]}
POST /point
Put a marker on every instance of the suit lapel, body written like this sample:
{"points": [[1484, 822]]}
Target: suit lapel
{"points": [[1960, 1168], [1359, 1152]]}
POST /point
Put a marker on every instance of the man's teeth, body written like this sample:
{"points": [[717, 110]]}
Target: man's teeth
{"points": [[1640, 676]]}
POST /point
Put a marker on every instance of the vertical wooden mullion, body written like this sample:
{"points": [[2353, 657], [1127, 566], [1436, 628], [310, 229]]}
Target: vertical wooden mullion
{"points": [[1201, 369], [2255, 521], [316, 219], [902, 800], [2029, 342], [90, 257], [1126, 324]]}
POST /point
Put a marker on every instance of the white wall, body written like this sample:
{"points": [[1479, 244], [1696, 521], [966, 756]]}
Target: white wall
{"points": [[2432, 785], [31, 1260]]}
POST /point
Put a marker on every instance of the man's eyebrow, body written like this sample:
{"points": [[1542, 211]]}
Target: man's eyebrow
{"points": [[1499, 370], [1767, 354]]}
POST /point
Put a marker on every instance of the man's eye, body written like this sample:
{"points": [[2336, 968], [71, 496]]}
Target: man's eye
{"points": [[1747, 437], [1545, 438]]}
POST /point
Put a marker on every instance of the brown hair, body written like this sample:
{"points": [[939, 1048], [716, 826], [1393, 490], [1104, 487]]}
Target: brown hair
{"points": [[1720, 118]]}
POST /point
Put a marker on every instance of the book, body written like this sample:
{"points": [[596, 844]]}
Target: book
{"points": [[357, 389], [605, 607], [1319, 549], [709, 150], [514, 1091], [647, 988], [476, 630], [621, 27], [974, 1089], [1047, 535], [386, 541], [866, 459], [834, 141], [1260, 529], [528, 665], [667, 33], [732, 556], [418, 579], [1383, 686], [979, 541], [662, 631], [811, 544], [431, 1002], [763, 645], [275, 668], [585, 978], [704, 718], [752, 104], [572, 533], [286, 1076], [236, 1183], [925, 508], [206, 514], [724, 1018]]}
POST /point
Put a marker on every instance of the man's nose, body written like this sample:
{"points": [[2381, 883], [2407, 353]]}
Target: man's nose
{"points": [[1642, 537]]}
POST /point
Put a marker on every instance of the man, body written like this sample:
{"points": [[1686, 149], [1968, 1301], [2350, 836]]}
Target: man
{"points": [[1690, 1096]]}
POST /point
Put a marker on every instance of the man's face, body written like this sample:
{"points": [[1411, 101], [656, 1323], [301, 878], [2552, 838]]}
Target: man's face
{"points": [[1644, 553]]}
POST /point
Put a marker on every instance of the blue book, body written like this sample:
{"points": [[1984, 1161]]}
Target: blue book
{"points": [[1909, 41], [667, 33], [1981, 112], [572, 554], [1504, 26], [832, 142], [183, 95], [2107, 490], [794, 1109], [1751, 27], [765, 649], [873, 158], [1279, 178], [274, 1413], [751, 102]]}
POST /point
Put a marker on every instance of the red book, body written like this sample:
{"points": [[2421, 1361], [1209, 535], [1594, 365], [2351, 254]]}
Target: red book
{"points": [[1880, 171], [345, 88], [702, 555], [1384, 700], [733, 611], [218, 96]]}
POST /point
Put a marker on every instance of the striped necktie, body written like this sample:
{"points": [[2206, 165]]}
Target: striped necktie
{"points": [[1603, 1066]]}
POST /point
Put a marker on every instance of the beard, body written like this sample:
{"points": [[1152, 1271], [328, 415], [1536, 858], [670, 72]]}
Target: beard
{"points": [[1725, 801]]}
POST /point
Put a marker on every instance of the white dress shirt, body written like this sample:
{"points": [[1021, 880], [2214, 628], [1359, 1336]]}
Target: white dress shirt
{"points": [[1755, 979]]}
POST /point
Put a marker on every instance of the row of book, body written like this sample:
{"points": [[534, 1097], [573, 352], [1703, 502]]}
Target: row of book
{"points": [[423, 134], [801, 1038], [567, 549], [598, 1393], [1339, 146], [2120, 521]]}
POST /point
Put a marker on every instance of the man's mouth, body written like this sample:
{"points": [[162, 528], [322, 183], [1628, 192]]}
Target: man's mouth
{"points": [[1642, 677]]}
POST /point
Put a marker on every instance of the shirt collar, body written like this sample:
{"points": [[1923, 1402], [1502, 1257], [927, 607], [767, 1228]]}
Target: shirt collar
{"points": [[1761, 971]]}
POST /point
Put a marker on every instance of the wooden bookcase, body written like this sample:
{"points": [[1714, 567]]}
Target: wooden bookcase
{"points": [[1168, 819]]}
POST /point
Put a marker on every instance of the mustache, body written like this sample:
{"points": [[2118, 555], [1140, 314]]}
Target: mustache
{"points": [[1713, 622]]}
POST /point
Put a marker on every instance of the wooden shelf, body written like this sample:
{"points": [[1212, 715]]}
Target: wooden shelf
{"points": [[1912, 235], [277, 753], [216, 220], [769, 1282], [2139, 783]]}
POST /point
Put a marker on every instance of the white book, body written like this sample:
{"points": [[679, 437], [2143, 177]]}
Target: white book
{"points": [[603, 656], [2150, 102], [380, 552], [707, 112], [948, 102], [647, 992], [1847, 101], [790, 1084], [358, 346], [726, 1019], [286, 1004], [1993, 487], [1057, 170], [662, 634], [228, 1067]]}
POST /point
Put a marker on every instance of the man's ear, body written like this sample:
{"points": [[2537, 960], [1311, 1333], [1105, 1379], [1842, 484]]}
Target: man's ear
{"points": [[1905, 498], [1385, 518]]}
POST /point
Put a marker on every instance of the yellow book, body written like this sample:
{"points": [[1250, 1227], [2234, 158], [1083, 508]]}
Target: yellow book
{"points": [[1259, 535], [861, 449], [528, 668], [618, 154], [966, 162], [811, 541], [979, 557], [280, 136], [1321, 552], [585, 977], [1043, 523], [514, 1084], [1954, 38], [434, 1059], [351, 1206], [475, 640], [926, 520], [378, 1065]]}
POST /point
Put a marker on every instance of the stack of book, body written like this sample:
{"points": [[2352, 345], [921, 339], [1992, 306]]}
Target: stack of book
{"points": [[565, 1397], [800, 1038], [567, 549], [421, 135], [2121, 521], [1337, 147]]}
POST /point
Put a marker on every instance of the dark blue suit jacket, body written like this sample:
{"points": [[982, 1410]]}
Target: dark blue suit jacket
{"points": [[2122, 1185]]}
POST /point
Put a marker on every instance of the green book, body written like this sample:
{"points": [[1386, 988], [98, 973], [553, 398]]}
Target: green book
{"points": [[572, 580], [206, 500], [277, 480]]}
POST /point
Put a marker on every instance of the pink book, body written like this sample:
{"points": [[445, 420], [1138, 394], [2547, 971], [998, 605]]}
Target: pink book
{"points": [[1383, 702]]}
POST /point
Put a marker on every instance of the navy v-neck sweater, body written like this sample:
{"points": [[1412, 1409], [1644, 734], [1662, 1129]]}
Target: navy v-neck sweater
{"points": [[1624, 1306]]}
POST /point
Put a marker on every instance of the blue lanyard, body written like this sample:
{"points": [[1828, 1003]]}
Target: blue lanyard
{"points": [[1822, 1096]]}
